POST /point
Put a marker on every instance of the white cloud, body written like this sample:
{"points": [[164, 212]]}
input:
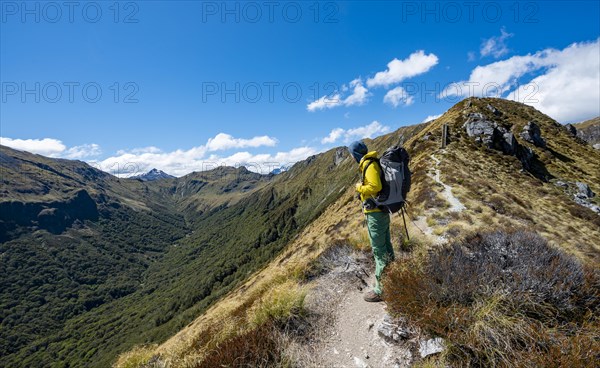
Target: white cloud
{"points": [[224, 141], [398, 96], [47, 146], [82, 152], [359, 96], [567, 87], [333, 136], [325, 102], [431, 117], [51, 147], [495, 46], [347, 135], [182, 162], [399, 70]]}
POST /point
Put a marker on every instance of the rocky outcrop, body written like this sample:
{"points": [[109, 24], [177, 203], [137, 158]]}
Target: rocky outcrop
{"points": [[581, 193], [571, 130], [340, 155], [589, 131], [532, 134], [490, 134]]}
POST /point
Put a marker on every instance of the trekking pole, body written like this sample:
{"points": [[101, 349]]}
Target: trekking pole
{"points": [[402, 210]]}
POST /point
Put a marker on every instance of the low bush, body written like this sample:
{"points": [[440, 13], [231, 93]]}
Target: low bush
{"points": [[502, 299]]}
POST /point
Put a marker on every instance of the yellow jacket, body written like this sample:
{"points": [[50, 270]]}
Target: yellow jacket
{"points": [[372, 181]]}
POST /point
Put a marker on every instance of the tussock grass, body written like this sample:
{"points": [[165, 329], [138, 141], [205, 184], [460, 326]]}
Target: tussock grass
{"points": [[282, 303], [136, 357], [502, 299], [360, 240]]}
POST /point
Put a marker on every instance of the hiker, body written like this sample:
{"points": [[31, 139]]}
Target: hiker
{"points": [[378, 221]]}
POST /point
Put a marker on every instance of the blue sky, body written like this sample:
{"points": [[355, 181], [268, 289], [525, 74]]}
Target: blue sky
{"points": [[183, 83]]}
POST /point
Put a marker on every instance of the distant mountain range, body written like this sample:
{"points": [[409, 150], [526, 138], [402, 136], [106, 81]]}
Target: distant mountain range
{"points": [[151, 175]]}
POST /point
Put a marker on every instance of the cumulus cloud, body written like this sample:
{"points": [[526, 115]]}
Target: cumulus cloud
{"points": [[398, 96], [567, 85], [182, 162], [398, 70], [204, 157], [431, 117], [570, 90], [495, 46], [325, 102], [51, 147], [359, 96], [347, 135], [224, 141], [82, 152]]}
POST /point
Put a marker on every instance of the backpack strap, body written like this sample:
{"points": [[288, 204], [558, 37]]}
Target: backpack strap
{"points": [[371, 160]]}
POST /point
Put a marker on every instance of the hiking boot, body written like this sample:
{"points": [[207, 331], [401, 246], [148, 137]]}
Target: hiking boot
{"points": [[372, 297]]}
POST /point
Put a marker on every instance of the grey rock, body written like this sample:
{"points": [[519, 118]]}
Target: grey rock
{"points": [[583, 201], [596, 146], [583, 190], [494, 110], [561, 184], [532, 134], [340, 156], [525, 155], [571, 129], [431, 346], [510, 144], [391, 331], [481, 128]]}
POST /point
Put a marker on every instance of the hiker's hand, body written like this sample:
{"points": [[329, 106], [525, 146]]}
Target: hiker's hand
{"points": [[358, 185]]}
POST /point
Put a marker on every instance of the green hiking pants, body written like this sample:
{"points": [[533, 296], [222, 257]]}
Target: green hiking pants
{"points": [[378, 224]]}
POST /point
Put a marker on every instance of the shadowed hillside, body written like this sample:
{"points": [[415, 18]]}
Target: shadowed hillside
{"points": [[80, 245]]}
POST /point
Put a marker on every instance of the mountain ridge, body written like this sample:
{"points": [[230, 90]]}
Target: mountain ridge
{"points": [[497, 188], [209, 244]]}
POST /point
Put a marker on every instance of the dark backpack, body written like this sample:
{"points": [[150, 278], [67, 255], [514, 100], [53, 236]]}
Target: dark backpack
{"points": [[395, 178]]}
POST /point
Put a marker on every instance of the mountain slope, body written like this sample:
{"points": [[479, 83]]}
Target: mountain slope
{"points": [[503, 180], [589, 131], [228, 223]]}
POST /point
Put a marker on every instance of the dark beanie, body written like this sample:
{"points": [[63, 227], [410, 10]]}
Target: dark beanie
{"points": [[358, 149]]}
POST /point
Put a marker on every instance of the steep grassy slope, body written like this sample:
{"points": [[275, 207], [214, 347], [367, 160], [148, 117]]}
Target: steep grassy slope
{"points": [[498, 191], [496, 188], [152, 256]]}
